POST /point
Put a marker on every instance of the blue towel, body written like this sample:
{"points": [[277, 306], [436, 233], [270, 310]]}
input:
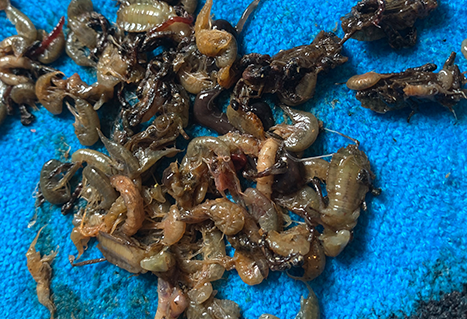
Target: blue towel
{"points": [[409, 245]]}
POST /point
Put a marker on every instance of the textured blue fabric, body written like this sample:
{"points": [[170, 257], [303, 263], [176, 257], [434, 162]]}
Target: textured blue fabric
{"points": [[409, 245]]}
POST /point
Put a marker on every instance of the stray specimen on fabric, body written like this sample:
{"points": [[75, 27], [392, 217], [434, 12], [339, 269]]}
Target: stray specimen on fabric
{"points": [[40, 269]]}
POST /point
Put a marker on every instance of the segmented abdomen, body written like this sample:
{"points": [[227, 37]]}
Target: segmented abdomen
{"points": [[140, 17]]}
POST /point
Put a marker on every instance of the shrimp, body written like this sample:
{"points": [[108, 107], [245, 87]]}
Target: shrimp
{"points": [[101, 183], [172, 226], [243, 143], [100, 161], [291, 241], [266, 159], [348, 181], [247, 268], [143, 15], [24, 94], [262, 209], [54, 180], [365, 81], [172, 301], [309, 307], [201, 150], [246, 122], [76, 51], [226, 215], [87, 122], [219, 44], [161, 262], [315, 168], [51, 97], [11, 62], [122, 158], [302, 134], [133, 202], [23, 24], [41, 272]]}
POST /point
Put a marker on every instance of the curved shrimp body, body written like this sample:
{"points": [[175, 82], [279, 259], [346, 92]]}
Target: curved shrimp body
{"points": [[266, 159], [53, 186], [133, 202], [87, 122], [99, 181], [302, 134], [200, 152], [247, 144], [309, 307], [23, 24], [15, 44], [227, 216], [41, 272], [144, 15], [11, 62], [365, 81], [348, 181], [24, 93], [97, 159], [219, 44], [49, 96]]}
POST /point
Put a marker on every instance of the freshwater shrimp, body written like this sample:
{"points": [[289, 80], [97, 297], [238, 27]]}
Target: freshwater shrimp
{"points": [[94, 158], [302, 134], [172, 226], [242, 143], [133, 202], [266, 159], [246, 122], [349, 179], [51, 97], [143, 15], [315, 167], [305, 203], [309, 307], [262, 209], [291, 241], [334, 242], [226, 215], [248, 270], [23, 24], [364, 81], [201, 150], [172, 301], [101, 183], [218, 44], [77, 51], [54, 179], [11, 62], [15, 44], [41, 272], [87, 122], [24, 94], [122, 159]]}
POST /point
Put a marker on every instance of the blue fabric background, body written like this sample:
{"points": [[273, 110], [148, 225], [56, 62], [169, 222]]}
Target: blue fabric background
{"points": [[409, 245]]}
